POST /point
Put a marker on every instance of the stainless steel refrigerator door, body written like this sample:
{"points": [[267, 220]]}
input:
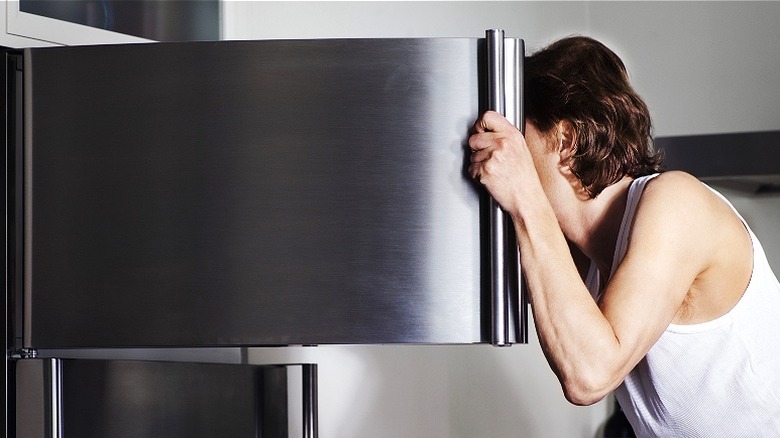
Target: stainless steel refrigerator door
{"points": [[253, 193], [62, 398]]}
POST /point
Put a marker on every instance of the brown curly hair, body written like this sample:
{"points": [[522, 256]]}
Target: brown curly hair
{"points": [[580, 80]]}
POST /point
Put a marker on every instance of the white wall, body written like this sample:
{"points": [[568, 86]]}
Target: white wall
{"points": [[536, 22], [703, 67]]}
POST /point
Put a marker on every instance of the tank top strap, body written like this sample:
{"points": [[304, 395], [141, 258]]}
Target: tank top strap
{"points": [[593, 282], [634, 194]]}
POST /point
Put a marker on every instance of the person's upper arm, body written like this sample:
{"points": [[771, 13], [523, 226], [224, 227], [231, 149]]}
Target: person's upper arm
{"points": [[668, 248]]}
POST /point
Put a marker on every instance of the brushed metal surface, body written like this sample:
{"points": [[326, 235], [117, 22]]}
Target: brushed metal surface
{"points": [[254, 193], [128, 399]]}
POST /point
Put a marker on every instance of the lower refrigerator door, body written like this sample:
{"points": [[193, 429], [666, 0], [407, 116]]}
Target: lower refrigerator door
{"points": [[122, 398]]}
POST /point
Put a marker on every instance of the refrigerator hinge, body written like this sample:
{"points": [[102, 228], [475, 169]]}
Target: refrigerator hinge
{"points": [[24, 353]]}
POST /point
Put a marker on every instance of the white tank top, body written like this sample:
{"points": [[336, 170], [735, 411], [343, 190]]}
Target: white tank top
{"points": [[720, 378]]}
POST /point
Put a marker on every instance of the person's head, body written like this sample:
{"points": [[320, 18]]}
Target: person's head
{"points": [[579, 81]]}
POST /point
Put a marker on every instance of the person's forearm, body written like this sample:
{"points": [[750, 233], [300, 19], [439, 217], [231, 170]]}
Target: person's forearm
{"points": [[578, 341]]}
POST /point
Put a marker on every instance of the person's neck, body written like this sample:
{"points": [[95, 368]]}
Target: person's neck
{"points": [[593, 224]]}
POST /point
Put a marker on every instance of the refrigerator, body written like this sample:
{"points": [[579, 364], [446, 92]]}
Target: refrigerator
{"points": [[169, 205]]}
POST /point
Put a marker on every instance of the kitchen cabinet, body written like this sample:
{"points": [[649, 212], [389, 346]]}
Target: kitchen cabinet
{"points": [[22, 29]]}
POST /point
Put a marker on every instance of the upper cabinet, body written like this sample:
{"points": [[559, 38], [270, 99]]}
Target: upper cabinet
{"points": [[30, 23]]}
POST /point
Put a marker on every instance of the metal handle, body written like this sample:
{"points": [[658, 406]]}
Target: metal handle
{"points": [[514, 55], [504, 59], [310, 404], [494, 39]]}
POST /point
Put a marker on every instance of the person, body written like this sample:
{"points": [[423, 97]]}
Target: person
{"points": [[641, 282]]}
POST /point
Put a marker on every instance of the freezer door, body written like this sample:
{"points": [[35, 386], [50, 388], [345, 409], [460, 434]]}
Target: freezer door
{"points": [[61, 398], [253, 193]]}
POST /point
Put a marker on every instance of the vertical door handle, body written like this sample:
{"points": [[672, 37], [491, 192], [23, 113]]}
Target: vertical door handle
{"points": [[496, 102], [310, 401], [504, 83]]}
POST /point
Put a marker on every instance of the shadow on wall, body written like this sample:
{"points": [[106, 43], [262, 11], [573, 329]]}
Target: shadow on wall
{"points": [[463, 391], [512, 392]]}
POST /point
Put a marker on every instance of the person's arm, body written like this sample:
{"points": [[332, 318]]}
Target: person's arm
{"points": [[593, 347]]}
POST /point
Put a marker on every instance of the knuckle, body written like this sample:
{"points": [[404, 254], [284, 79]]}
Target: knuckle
{"points": [[488, 168], [503, 143]]}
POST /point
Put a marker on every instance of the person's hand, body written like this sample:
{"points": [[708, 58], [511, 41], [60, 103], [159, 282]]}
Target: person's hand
{"points": [[500, 160]]}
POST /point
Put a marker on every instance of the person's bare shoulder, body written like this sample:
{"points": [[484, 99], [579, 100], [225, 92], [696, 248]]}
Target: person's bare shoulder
{"points": [[676, 185], [675, 219], [680, 197], [677, 193], [684, 219]]}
